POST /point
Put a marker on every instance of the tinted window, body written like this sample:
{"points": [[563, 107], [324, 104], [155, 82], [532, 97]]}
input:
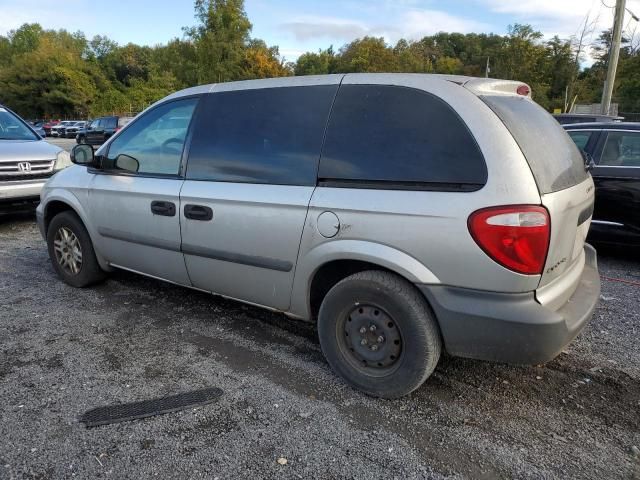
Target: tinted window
{"points": [[622, 149], [580, 138], [382, 133], [156, 139], [269, 135], [12, 128], [555, 161], [110, 122]]}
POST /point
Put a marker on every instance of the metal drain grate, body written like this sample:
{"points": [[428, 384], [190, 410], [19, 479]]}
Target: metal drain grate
{"points": [[148, 408]]}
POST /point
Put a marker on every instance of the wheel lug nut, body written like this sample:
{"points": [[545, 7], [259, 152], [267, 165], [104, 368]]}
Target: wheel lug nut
{"points": [[363, 330], [380, 339], [374, 347], [372, 328], [363, 341]]}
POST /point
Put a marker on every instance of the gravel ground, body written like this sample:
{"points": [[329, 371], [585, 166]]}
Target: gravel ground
{"points": [[64, 143], [64, 351]]}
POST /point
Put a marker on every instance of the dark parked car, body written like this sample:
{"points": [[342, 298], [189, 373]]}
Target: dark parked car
{"points": [[615, 148], [101, 129], [568, 118]]}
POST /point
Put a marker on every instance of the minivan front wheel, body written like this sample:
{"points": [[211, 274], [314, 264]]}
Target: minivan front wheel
{"points": [[71, 251], [378, 333]]}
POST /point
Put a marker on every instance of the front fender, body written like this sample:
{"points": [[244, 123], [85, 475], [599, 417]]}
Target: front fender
{"points": [[69, 198], [371, 252]]}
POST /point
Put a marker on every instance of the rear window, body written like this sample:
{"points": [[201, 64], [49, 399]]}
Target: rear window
{"points": [[554, 159], [382, 136]]}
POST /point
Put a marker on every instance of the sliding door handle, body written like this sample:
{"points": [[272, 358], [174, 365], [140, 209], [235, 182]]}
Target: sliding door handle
{"points": [[198, 212], [167, 209]]}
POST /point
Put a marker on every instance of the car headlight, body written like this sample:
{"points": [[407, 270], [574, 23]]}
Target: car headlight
{"points": [[63, 160]]}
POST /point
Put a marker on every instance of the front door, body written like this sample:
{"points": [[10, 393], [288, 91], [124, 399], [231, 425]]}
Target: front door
{"points": [[250, 176], [617, 180], [134, 198], [94, 132]]}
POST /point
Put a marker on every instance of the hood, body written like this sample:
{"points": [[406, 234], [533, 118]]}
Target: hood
{"points": [[27, 150]]}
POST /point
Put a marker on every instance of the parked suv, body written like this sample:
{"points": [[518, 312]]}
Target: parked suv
{"points": [[101, 129], [615, 149], [26, 161], [405, 214]]}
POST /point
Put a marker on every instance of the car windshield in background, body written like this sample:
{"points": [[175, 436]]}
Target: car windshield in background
{"points": [[11, 128]]}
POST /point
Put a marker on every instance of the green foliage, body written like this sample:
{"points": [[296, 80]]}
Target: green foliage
{"points": [[48, 73]]}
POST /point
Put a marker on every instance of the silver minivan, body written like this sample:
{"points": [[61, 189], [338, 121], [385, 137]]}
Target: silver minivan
{"points": [[405, 214]]}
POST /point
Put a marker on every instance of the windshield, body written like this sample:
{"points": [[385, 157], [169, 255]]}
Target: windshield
{"points": [[12, 128]]}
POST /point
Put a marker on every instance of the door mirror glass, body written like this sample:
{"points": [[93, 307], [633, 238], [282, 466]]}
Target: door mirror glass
{"points": [[83, 155], [127, 162]]}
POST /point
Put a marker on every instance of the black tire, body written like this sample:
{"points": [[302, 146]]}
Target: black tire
{"points": [[89, 271], [400, 313], [81, 140]]}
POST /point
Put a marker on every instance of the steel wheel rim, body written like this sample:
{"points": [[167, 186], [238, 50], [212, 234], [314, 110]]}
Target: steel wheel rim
{"points": [[370, 339], [68, 251]]}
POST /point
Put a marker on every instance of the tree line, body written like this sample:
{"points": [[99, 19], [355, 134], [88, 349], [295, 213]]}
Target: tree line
{"points": [[56, 73]]}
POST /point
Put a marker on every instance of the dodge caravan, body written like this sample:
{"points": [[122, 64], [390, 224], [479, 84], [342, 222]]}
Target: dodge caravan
{"points": [[405, 214]]}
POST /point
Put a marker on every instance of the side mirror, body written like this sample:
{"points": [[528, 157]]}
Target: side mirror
{"points": [[128, 163], [83, 155]]}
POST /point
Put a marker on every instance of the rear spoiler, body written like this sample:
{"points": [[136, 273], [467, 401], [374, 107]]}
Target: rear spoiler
{"points": [[490, 86]]}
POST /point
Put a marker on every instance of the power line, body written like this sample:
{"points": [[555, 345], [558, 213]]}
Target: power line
{"points": [[604, 4]]}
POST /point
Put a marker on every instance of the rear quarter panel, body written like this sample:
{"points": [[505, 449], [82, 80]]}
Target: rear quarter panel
{"points": [[427, 229]]}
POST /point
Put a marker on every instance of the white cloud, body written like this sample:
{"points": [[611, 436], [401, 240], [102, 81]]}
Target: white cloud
{"points": [[411, 24], [309, 27], [418, 23]]}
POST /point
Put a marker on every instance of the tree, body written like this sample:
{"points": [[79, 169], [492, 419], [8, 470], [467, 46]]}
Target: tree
{"points": [[220, 39], [368, 54]]}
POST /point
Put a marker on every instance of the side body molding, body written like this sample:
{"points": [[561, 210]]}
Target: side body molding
{"points": [[310, 261]]}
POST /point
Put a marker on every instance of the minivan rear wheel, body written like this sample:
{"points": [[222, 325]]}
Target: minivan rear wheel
{"points": [[71, 251], [378, 333]]}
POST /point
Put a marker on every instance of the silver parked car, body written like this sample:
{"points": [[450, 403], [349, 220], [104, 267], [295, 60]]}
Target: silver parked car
{"points": [[405, 214], [26, 162]]}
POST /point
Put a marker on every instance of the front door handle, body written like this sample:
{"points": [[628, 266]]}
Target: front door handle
{"points": [[198, 212], [167, 209]]}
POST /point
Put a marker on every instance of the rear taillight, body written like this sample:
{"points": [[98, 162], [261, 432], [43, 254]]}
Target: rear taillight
{"points": [[523, 90], [517, 237], [118, 128]]}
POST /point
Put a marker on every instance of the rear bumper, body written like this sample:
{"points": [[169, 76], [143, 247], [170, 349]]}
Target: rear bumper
{"points": [[512, 328]]}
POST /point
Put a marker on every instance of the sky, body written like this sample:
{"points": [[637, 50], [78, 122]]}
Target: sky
{"points": [[297, 26]]}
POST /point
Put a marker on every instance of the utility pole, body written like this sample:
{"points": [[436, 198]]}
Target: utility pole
{"points": [[614, 53]]}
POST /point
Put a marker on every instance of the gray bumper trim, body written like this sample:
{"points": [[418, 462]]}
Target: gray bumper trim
{"points": [[512, 328]]}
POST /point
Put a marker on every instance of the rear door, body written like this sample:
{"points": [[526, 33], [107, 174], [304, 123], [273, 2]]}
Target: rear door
{"points": [[566, 188], [134, 197], [617, 179], [251, 172]]}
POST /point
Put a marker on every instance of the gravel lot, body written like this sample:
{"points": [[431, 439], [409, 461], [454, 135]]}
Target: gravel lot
{"points": [[65, 143], [64, 351]]}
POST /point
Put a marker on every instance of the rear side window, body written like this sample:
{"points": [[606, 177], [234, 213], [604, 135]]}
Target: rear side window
{"points": [[269, 135], [580, 138], [110, 122], [554, 159], [622, 149], [397, 137]]}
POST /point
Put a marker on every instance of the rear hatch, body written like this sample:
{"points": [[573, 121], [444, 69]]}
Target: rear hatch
{"points": [[566, 188]]}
